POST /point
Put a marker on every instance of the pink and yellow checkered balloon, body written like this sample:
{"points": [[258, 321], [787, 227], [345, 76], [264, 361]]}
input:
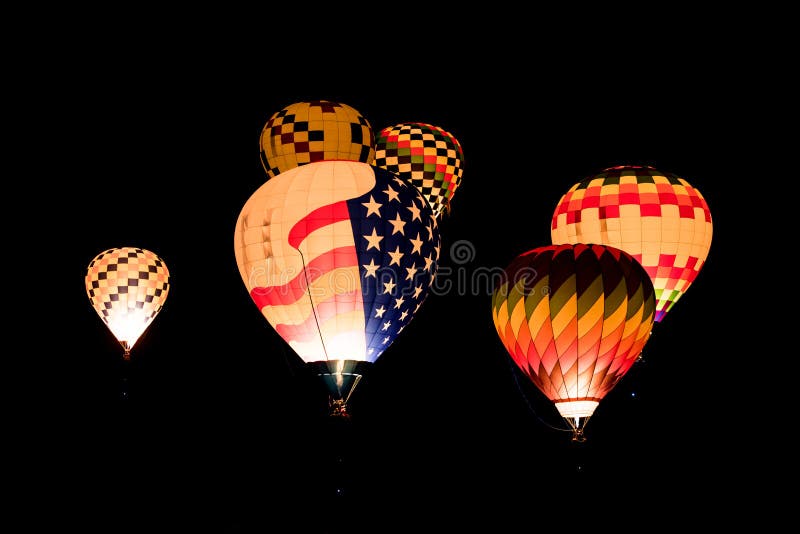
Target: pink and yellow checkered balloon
{"points": [[657, 217]]}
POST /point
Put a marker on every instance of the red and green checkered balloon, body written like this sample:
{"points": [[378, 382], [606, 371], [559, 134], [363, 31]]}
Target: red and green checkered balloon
{"points": [[425, 155], [657, 217]]}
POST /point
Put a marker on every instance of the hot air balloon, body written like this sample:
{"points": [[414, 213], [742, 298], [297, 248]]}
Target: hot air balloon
{"points": [[319, 130], [338, 256], [574, 318], [127, 287], [657, 217], [425, 155]]}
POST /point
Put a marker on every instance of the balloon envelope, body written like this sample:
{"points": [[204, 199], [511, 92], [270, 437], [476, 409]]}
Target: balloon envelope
{"points": [[127, 287], [574, 318], [320, 130], [425, 155], [338, 256], [657, 217]]}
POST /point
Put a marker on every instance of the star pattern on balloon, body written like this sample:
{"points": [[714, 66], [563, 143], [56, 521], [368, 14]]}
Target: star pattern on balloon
{"points": [[395, 258]]}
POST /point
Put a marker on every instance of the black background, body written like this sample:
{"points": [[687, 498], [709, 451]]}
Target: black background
{"points": [[226, 429]]}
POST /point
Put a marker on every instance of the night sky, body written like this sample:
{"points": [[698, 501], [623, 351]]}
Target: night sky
{"points": [[225, 428]]}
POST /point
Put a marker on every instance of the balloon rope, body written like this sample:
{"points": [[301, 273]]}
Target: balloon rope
{"points": [[313, 310], [528, 402]]}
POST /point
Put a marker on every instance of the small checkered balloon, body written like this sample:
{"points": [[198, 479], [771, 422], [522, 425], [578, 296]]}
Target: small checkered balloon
{"points": [[657, 217], [425, 155], [127, 287], [320, 130]]}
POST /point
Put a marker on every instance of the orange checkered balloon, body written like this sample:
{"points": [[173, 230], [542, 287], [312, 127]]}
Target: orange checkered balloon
{"points": [[657, 217], [318, 130]]}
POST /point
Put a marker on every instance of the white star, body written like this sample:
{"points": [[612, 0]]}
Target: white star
{"points": [[417, 291], [398, 225], [380, 311], [385, 340], [388, 287], [429, 228], [411, 271], [429, 262], [391, 193], [437, 248], [374, 240], [371, 268], [400, 329], [398, 303], [399, 181], [371, 350], [417, 245], [372, 207], [417, 308], [386, 325], [396, 255], [415, 211], [404, 315]]}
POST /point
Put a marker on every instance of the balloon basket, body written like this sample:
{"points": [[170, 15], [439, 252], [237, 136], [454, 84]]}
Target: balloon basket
{"points": [[339, 408], [578, 436]]}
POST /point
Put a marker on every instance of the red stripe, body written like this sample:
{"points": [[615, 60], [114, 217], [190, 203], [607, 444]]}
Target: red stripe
{"points": [[336, 305], [332, 213], [296, 288]]}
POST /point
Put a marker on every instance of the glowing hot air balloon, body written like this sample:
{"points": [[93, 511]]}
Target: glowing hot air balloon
{"points": [[574, 318], [657, 217], [338, 256], [320, 130], [127, 287], [425, 155]]}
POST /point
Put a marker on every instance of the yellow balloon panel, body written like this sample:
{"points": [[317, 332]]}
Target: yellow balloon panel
{"points": [[427, 156], [306, 132], [127, 288]]}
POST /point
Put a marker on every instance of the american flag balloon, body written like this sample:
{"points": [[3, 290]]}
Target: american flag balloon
{"points": [[338, 256]]}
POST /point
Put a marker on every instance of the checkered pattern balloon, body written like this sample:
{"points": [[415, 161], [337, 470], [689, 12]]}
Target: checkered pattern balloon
{"points": [[425, 155], [574, 318], [657, 217], [127, 288], [306, 132]]}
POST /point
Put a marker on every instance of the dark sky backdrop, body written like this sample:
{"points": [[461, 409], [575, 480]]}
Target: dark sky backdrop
{"points": [[225, 427]]}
